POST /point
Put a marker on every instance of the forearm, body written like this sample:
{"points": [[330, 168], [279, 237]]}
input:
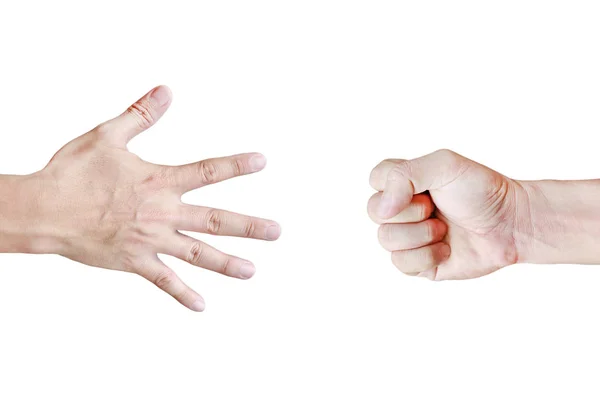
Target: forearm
{"points": [[562, 223], [21, 228]]}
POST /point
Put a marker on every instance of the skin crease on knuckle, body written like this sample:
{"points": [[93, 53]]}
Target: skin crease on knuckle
{"points": [[164, 279], [195, 253], [214, 221], [400, 171], [239, 167], [141, 112], [225, 267], [249, 228], [208, 172]]}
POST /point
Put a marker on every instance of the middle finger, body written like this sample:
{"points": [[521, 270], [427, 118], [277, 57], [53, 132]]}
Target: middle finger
{"points": [[225, 223]]}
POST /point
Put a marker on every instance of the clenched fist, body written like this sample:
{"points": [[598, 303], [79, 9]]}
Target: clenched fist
{"points": [[443, 216], [99, 204]]}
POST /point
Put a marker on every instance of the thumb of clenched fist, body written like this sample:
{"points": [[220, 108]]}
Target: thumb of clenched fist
{"points": [[444, 216]]}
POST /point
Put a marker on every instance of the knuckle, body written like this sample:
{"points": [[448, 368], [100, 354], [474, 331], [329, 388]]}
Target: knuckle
{"points": [[448, 156], [225, 267], [250, 228], [152, 216], [102, 130], [168, 176], [195, 253], [238, 167], [141, 112], [214, 222], [131, 263], [399, 171], [157, 179], [208, 172], [164, 279], [445, 153]]}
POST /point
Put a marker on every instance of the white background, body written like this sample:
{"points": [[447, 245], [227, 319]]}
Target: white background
{"points": [[325, 89]]}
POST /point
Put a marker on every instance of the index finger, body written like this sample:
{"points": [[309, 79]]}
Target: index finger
{"points": [[207, 172], [420, 209], [379, 174]]}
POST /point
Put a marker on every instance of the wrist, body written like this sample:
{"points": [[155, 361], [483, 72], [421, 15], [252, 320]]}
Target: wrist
{"points": [[23, 228], [559, 222]]}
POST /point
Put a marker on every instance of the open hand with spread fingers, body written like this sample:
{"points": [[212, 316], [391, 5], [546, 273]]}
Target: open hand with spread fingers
{"points": [[443, 216], [99, 204]]}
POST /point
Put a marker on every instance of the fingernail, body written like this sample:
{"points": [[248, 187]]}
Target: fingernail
{"points": [[385, 205], [273, 232], [258, 162], [161, 95], [247, 270], [198, 305]]}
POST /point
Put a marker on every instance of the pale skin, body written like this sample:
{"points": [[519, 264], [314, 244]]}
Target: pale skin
{"points": [[443, 216], [101, 205]]}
